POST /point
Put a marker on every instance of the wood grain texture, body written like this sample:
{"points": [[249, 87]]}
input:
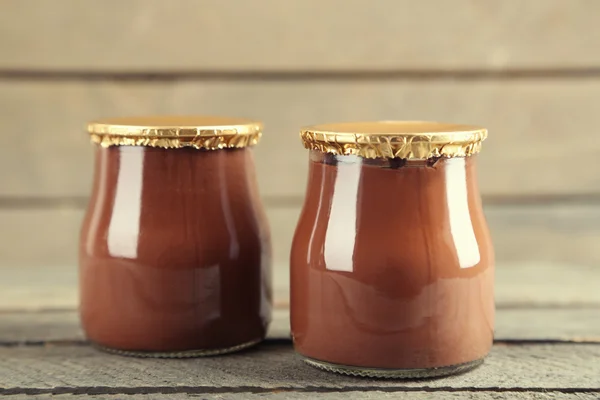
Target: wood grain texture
{"points": [[523, 324], [539, 140], [273, 365], [152, 35], [307, 394]]}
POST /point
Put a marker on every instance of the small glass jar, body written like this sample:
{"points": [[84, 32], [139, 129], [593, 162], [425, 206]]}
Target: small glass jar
{"points": [[392, 262], [175, 251]]}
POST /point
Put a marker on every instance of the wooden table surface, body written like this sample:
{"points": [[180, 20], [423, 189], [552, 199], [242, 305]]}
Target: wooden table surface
{"points": [[547, 347]]}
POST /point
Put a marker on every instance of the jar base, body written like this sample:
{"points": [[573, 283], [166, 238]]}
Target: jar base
{"points": [[391, 373], [177, 354]]}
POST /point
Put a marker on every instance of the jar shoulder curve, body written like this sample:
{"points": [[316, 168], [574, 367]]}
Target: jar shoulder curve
{"points": [[364, 208], [150, 200]]}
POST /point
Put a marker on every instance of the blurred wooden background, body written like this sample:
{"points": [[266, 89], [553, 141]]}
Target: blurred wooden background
{"points": [[527, 70]]}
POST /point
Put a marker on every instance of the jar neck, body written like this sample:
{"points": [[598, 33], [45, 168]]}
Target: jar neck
{"points": [[154, 173], [387, 163]]}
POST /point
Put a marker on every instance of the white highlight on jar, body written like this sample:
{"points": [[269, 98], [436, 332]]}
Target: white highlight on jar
{"points": [[124, 228], [461, 226], [341, 228]]}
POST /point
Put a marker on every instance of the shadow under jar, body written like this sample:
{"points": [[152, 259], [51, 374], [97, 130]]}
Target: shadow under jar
{"points": [[175, 251], [392, 262]]}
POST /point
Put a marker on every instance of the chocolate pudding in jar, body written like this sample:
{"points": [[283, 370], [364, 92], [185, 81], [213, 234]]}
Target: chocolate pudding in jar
{"points": [[175, 250], [392, 265]]}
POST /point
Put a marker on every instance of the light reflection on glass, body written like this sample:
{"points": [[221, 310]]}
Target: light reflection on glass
{"points": [[461, 225], [234, 242], [309, 252], [124, 228], [341, 228]]}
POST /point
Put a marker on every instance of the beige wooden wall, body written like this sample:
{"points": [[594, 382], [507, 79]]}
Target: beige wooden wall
{"points": [[528, 70]]}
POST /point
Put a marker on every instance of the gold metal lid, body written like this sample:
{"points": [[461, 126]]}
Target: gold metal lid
{"points": [[413, 140], [210, 133]]}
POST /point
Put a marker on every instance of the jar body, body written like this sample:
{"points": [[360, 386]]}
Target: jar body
{"points": [[175, 252], [392, 267]]}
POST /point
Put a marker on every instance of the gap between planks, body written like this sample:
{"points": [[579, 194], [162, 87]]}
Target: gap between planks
{"points": [[284, 391], [488, 74], [339, 395]]}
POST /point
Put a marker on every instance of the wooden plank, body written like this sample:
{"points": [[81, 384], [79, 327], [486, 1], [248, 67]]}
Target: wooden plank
{"points": [[38, 288], [152, 35], [517, 285], [274, 366], [36, 237], [571, 324], [548, 233], [19, 327], [535, 126], [543, 258], [55, 287], [546, 254], [354, 395], [49, 237], [580, 325], [22, 327]]}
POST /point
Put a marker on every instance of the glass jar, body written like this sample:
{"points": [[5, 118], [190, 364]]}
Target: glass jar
{"points": [[392, 262], [175, 251]]}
